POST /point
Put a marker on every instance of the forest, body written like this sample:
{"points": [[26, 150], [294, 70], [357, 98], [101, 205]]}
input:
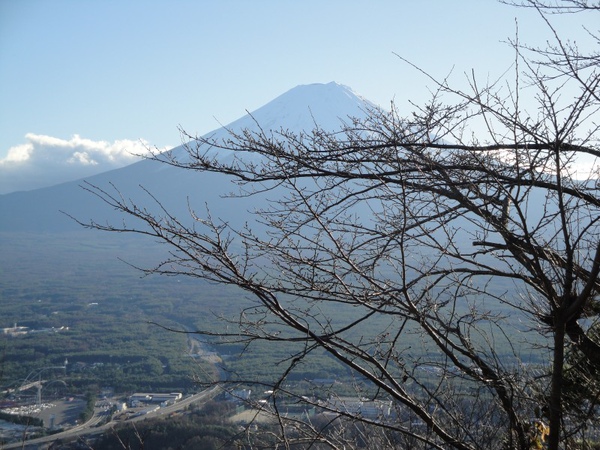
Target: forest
{"points": [[84, 304]]}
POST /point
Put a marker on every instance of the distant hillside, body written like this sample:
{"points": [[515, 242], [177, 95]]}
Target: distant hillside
{"points": [[296, 110]]}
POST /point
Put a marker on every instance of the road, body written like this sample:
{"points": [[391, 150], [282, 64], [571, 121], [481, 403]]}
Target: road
{"points": [[92, 426]]}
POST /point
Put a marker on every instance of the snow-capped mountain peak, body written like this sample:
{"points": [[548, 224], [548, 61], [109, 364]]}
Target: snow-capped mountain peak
{"points": [[299, 109]]}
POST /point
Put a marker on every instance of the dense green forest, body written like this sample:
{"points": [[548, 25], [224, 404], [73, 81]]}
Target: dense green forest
{"points": [[83, 302]]}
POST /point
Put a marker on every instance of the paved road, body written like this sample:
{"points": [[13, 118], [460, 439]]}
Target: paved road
{"points": [[92, 425]]}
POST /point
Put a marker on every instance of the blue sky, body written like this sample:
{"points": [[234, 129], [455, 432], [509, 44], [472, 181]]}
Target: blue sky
{"points": [[79, 75]]}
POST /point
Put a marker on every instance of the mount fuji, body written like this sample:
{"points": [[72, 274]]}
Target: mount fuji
{"points": [[299, 109]]}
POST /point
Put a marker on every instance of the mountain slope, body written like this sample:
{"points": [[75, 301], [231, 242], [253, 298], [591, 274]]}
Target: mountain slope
{"points": [[299, 109]]}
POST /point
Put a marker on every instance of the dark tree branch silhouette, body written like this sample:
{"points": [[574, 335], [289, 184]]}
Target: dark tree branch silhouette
{"points": [[449, 260]]}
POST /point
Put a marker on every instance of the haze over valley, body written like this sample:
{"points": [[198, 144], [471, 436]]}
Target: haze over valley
{"points": [[301, 225]]}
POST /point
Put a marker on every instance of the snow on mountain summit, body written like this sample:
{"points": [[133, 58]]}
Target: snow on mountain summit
{"points": [[301, 109], [305, 106]]}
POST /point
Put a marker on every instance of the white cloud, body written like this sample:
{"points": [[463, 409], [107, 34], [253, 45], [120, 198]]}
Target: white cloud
{"points": [[45, 160]]}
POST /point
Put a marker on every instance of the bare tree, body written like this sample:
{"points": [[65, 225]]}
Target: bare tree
{"points": [[450, 260]]}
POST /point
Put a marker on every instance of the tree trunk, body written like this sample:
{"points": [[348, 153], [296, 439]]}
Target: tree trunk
{"points": [[555, 401]]}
